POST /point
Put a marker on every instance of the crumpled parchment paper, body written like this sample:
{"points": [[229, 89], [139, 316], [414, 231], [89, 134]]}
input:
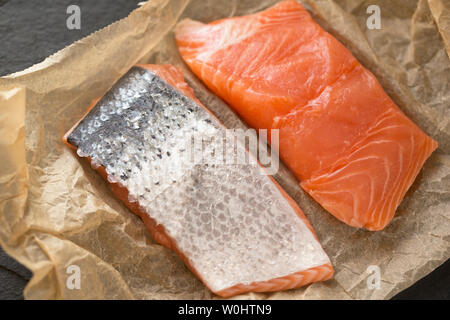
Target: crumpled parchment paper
{"points": [[56, 212]]}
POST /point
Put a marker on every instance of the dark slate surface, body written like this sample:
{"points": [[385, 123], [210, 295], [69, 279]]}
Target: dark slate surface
{"points": [[31, 30]]}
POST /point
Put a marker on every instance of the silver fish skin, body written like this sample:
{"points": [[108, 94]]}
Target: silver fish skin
{"points": [[229, 220]]}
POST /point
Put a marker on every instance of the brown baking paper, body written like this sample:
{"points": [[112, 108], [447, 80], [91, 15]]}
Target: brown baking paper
{"points": [[57, 214]]}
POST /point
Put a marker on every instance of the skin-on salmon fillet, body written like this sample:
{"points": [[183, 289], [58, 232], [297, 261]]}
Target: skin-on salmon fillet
{"points": [[349, 144], [231, 223]]}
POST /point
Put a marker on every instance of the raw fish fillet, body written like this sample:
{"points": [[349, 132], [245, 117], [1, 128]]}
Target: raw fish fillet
{"points": [[349, 144], [232, 224]]}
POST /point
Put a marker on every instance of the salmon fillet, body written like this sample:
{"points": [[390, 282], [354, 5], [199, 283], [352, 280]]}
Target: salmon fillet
{"points": [[349, 144], [232, 224]]}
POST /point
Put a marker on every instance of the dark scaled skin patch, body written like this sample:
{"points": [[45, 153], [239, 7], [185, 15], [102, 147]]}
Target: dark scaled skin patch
{"points": [[141, 110]]}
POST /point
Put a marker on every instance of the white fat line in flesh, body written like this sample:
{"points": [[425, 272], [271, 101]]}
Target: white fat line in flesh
{"points": [[398, 185], [230, 35], [399, 175], [316, 179], [337, 192], [407, 181]]}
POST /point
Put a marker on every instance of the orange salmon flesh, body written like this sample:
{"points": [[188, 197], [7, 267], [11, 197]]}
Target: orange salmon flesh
{"points": [[349, 144]]}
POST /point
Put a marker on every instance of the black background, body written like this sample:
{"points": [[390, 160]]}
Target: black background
{"points": [[31, 30]]}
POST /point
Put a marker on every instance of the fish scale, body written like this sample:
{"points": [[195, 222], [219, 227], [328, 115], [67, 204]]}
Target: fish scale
{"points": [[230, 222]]}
